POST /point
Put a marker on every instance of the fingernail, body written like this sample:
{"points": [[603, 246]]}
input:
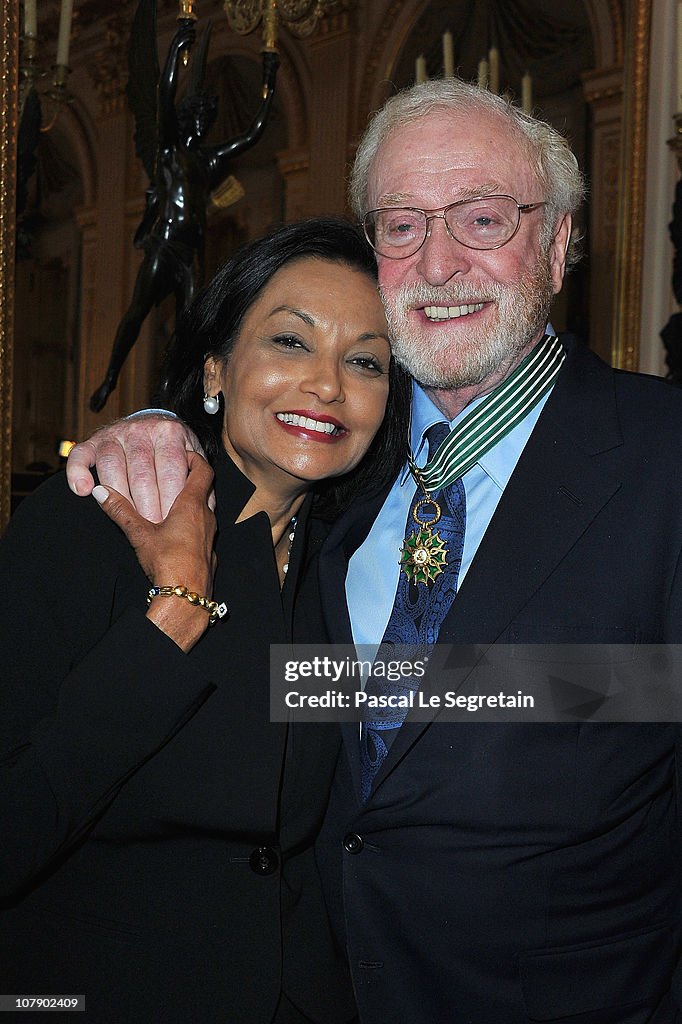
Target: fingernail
{"points": [[100, 493]]}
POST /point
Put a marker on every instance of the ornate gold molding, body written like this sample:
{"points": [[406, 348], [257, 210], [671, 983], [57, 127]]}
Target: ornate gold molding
{"points": [[616, 14], [603, 84], [108, 68], [630, 239], [9, 68], [332, 25]]}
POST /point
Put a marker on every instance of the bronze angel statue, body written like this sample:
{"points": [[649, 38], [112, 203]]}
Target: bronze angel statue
{"points": [[182, 169]]}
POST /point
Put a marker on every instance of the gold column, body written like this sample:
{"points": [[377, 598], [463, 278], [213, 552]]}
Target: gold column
{"points": [[9, 70], [630, 240], [603, 90]]}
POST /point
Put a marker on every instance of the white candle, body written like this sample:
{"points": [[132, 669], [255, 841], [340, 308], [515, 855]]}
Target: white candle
{"points": [[448, 55], [30, 18], [527, 93], [64, 37], [679, 55], [494, 62], [483, 73], [420, 69]]}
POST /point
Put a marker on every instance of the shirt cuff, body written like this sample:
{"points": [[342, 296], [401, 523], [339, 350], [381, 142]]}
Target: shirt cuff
{"points": [[166, 413]]}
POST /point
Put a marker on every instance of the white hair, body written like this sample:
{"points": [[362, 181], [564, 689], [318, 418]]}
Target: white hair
{"points": [[549, 154]]}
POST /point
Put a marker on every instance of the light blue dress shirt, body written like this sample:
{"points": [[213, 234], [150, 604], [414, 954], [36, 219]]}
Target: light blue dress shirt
{"points": [[374, 568]]}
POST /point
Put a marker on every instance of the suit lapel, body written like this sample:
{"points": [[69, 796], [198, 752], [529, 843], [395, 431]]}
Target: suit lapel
{"points": [[561, 482]]}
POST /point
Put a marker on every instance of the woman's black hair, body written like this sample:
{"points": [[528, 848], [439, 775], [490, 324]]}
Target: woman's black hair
{"points": [[211, 324]]}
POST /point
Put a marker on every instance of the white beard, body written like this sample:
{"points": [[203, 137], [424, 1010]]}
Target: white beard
{"points": [[437, 358]]}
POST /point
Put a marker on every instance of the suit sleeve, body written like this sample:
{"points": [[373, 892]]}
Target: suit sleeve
{"points": [[90, 690], [672, 628]]}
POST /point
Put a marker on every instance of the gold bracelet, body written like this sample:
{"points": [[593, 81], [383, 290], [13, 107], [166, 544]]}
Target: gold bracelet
{"points": [[215, 611]]}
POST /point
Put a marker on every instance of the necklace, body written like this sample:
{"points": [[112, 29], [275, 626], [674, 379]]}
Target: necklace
{"points": [[292, 533]]}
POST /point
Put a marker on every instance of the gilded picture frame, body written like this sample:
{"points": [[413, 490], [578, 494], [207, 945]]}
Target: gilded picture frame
{"points": [[9, 82]]}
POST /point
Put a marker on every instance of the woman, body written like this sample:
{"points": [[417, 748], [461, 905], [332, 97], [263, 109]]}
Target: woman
{"points": [[158, 828]]}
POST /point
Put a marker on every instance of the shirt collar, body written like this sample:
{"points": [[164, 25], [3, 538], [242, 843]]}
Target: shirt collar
{"points": [[498, 463]]}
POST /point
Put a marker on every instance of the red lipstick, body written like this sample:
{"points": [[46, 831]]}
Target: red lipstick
{"points": [[296, 424]]}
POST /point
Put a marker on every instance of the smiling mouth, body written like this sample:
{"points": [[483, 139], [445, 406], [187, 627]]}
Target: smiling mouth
{"points": [[307, 423], [451, 312]]}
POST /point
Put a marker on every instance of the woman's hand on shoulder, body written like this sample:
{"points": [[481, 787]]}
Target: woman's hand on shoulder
{"points": [[178, 551]]}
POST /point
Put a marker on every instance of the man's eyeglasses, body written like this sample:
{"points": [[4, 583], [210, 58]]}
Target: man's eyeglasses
{"points": [[487, 222]]}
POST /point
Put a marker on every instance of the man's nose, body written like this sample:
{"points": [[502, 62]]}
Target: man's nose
{"points": [[441, 257]]}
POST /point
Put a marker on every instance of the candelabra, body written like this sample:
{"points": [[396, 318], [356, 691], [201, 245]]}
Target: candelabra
{"points": [[52, 98], [488, 71], [299, 16]]}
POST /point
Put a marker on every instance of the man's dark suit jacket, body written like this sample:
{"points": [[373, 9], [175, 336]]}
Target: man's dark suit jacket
{"points": [[139, 784], [504, 873]]}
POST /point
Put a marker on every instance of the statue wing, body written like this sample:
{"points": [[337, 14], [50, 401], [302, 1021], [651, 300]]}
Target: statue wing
{"points": [[143, 80]]}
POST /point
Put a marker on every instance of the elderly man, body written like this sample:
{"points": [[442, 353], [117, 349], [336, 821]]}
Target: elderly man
{"points": [[496, 873]]}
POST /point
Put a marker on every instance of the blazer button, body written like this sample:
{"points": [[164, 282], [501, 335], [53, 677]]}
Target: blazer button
{"points": [[353, 843], [263, 860]]}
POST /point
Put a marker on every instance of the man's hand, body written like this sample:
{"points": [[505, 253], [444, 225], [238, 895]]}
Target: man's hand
{"points": [[175, 552], [145, 459]]}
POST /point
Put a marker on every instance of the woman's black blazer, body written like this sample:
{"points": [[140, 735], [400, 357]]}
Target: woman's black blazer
{"points": [[156, 827]]}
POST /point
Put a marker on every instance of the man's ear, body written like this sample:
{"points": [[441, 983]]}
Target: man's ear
{"points": [[558, 250]]}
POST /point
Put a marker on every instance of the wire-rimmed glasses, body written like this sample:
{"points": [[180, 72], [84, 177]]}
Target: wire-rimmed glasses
{"points": [[486, 222]]}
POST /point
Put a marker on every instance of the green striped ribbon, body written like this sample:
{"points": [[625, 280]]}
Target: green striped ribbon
{"points": [[494, 417]]}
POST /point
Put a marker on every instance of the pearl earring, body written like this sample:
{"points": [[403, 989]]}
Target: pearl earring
{"points": [[211, 404]]}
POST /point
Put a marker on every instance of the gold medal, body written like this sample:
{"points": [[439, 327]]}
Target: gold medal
{"points": [[423, 556]]}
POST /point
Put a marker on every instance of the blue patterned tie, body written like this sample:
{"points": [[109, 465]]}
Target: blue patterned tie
{"points": [[417, 614]]}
